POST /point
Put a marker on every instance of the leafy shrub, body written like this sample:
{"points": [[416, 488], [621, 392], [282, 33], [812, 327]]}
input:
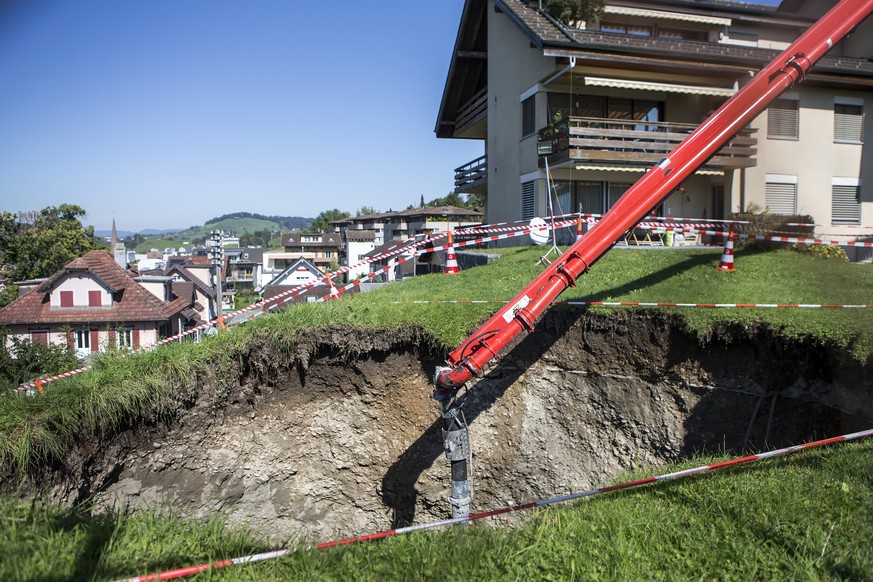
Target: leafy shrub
{"points": [[825, 251], [765, 223], [25, 360]]}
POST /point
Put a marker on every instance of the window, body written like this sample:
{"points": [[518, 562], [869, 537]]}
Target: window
{"points": [[599, 107], [124, 338], [783, 119], [780, 195], [39, 336], [66, 298], [846, 201], [94, 299], [848, 120], [528, 200], [528, 116], [597, 197], [82, 340], [629, 29], [590, 196]]}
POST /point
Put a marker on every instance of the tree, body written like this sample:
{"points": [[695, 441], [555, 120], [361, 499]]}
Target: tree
{"points": [[38, 244], [259, 238], [451, 199], [364, 210], [575, 10], [323, 220]]}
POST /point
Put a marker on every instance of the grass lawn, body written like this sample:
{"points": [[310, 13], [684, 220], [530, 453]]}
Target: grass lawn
{"points": [[807, 516]]}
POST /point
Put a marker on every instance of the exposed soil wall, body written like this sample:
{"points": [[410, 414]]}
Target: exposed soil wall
{"points": [[342, 437]]}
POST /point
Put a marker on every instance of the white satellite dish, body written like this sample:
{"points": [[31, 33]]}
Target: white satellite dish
{"points": [[539, 231]]}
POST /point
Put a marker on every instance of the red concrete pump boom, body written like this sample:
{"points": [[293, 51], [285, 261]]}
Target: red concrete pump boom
{"points": [[522, 312], [659, 181]]}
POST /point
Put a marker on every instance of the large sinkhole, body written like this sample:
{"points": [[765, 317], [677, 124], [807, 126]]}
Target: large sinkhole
{"points": [[342, 436]]}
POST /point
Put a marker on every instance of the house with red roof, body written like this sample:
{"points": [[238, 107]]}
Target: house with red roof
{"points": [[92, 304]]}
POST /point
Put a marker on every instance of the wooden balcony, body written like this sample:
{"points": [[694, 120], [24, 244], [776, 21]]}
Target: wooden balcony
{"points": [[623, 142], [471, 116], [472, 178]]}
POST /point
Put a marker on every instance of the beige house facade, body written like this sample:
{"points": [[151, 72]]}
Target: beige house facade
{"points": [[612, 97]]}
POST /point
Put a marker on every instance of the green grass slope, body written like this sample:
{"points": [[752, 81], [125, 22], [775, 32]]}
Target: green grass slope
{"points": [[36, 430], [808, 516]]}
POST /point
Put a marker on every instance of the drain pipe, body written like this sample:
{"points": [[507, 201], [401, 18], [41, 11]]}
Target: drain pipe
{"points": [[456, 443]]}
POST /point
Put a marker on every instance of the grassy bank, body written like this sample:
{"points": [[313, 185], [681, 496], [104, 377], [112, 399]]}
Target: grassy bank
{"points": [[35, 430], [806, 516]]}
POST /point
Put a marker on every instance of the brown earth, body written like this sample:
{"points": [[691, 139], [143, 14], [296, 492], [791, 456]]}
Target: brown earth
{"points": [[342, 437]]}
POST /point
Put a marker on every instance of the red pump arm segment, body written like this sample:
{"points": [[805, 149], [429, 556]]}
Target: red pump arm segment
{"points": [[659, 181]]}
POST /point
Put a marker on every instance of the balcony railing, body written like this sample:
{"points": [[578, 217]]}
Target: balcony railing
{"points": [[472, 178], [472, 111], [623, 141]]}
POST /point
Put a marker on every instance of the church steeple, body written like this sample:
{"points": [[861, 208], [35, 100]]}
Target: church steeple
{"points": [[113, 240], [118, 250]]}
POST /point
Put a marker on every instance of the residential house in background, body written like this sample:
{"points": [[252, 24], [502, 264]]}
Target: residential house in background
{"points": [[93, 304], [243, 268], [319, 248], [612, 97], [300, 272], [358, 243], [203, 284]]}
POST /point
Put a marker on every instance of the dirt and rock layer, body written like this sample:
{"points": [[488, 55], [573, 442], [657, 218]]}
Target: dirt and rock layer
{"points": [[341, 436]]}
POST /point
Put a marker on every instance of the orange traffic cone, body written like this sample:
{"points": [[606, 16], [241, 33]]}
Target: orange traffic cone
{"points": [[727, 256], [451, 259], [334, 294]]}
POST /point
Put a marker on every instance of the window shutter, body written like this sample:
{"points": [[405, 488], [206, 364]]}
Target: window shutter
{"points": [[528, 116], [848, 123], [95, 345], [845, 205], [94, 299], [136, 339], [66, 298], [528, 199], [781, 198], [39, 337], [783, 119]]}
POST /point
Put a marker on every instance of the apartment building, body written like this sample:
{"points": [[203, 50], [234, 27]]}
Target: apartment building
{"points": [[610, 98]]}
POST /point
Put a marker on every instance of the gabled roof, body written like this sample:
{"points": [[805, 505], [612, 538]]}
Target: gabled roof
{"points": [[187, 275], [296, 266], [131, 301]]}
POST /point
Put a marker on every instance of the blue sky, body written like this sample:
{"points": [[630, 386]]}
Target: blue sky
{"points": [[165, 113]]}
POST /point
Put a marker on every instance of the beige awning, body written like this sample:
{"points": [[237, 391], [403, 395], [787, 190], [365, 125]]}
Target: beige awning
{"points": [[664, 87], [642, 169], [664, 15]]}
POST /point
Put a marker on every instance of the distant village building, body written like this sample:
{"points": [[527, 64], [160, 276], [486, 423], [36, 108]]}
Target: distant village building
{"points": [[368, 235]]}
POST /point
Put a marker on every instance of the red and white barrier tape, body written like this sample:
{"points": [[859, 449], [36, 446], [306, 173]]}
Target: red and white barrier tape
{"points": [[758, 305], [651, 304], [191, 570]]}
